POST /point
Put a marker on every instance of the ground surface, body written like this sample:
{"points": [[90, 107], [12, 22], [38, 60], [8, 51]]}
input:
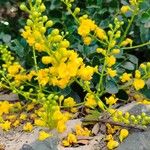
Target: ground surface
{"points": [[19, 140]]}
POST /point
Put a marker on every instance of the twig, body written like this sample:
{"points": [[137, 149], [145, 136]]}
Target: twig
{"points": [[137, 127]]}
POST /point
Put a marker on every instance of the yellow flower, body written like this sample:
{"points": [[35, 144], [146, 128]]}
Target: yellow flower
{"points": [[138, 84], [39, 122], [42, 76], [125, 77], [85, 73], [57, 115], [74, 109], [112, 144], [5, 107], [28, 127], [61, 127], [125, 9], [126, 42], [87, 40], [6, 125], [30, 106], [69, 102], [23, 116], [110, 61], [65, 143], [111, 100], [109, 137], [43, 135], [14, 69], [111, 73], [46, 60], [80, 131], [123, 134], [133, 2], [115, 51], [137, 74], [86, 25], [100, 33], [16, 123], [71, 138], [11, 117], [90, 100]]}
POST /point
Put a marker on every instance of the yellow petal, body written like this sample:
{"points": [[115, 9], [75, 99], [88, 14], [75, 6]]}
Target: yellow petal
{"points": [[123, 134]]}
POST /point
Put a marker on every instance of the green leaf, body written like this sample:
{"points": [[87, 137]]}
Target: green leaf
{"points": [[6, 38], [111, 87], [93, 115], [146, 92], [145, 17], [144, 33], [95, 61], [133, 59], [128, 66]]}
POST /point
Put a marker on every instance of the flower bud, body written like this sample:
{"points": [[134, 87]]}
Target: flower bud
{"points": [[50, 96], [23, 7], [42, 7], [110, 26], [45, 18], [29, 22], [38, 1], [43, 29], [77, 10], [116, 51], [55, 32], [148, 64], [56, 97], [143, 66], [49, 23]]}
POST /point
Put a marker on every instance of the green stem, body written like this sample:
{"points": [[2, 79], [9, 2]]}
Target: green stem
{"points": [[79, 104], [35, 61], [101, 77], [128, 27], [137, 46]]}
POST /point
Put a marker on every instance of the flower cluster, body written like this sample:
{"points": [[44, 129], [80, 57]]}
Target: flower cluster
{"points": [[65, 65], [86, 27], [111, 130], [72, 138], [127, 118]]}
